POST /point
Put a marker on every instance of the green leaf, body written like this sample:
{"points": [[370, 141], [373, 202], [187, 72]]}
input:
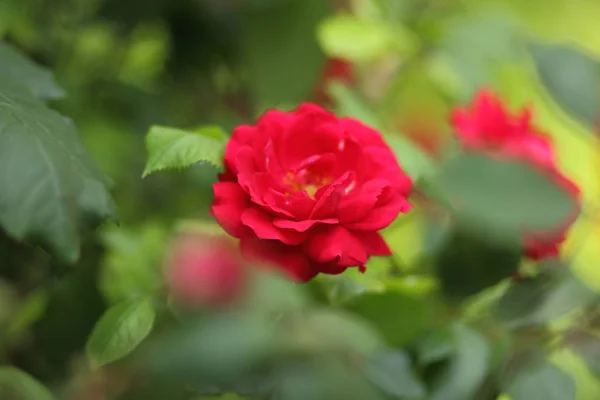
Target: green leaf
{"points": [[359, 40], [18, 385], [398, 316], [119, 331], [392, 373], [18, 68], [467, 368], [175, 148], [49, 182], [544, 382], [469, 262], [572, 78], [549, 295], [280, 50], [508, 197]]}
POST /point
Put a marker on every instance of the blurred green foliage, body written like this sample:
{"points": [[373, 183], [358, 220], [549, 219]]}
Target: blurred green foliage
{"points": [[437, 320]]}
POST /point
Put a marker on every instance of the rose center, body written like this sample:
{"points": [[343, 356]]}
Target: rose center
{"points": [[305, 180]]}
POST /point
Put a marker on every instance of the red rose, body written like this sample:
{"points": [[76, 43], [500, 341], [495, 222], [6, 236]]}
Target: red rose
{"points": [[488, 126], [205, 271], [308, 191]]}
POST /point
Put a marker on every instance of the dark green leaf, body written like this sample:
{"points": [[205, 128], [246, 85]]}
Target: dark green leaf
{"points": [[467, 368], [392, 373], [280, 50], [544, 382], [171, 148], [508, 197], [48, 181], [399, 317], [119, 331], [572, 78], [549, 295], [17, 385], [17, 68], [468, 263]]}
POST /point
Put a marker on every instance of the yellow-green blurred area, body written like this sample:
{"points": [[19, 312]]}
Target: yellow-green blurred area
{"points": [[126, 65]]}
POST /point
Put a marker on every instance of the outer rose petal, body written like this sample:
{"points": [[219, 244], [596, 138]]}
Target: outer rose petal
{"points": [[381, 217], [262, 224], [337, 243], [291, 259], [374, 243], [228, 206]]}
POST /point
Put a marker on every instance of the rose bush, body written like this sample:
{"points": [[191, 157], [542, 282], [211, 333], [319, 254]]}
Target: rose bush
{"points": [[309, 191], [488, 126]]}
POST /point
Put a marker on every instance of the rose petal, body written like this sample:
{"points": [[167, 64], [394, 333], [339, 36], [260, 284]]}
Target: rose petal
{"points": [[373, 242], [302, 226], [381, 217], [336, 243], [262, 225], [228, 206], [289, 259]]}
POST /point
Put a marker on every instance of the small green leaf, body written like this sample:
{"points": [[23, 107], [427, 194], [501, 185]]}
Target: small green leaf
{"points": [[175, 148], [572, 78], [38, 81], [18, 385], [467, 368], [119, 331], [508, 197], [544, 382], [358, 40], [398, 316], [392, 373]]}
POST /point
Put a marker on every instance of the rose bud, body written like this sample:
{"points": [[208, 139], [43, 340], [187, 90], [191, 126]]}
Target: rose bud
{"points": [[487, 126], [205, 271], [309, 192]]}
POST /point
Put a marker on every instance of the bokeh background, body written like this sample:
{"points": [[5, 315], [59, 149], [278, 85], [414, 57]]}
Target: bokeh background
{"points": [[400, 65]]}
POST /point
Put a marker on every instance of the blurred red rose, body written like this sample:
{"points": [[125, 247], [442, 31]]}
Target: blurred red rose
{"points": [[205, 271], [488, 126], [309, 191], [335, 70]]}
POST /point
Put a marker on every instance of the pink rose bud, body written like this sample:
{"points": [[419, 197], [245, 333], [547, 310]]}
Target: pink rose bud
{"points": [[205, 271]]}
